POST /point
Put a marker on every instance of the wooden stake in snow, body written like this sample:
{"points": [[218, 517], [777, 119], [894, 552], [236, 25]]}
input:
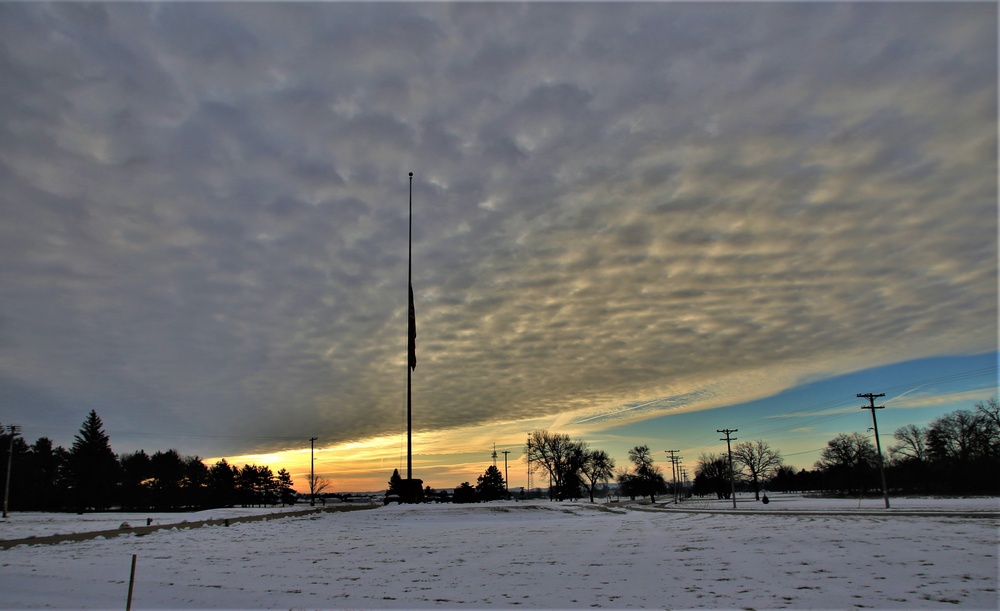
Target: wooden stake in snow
{"points": [[131, 582]]}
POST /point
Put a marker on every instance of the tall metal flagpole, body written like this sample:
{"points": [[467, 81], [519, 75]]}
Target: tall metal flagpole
{"points": [[410, 332]]}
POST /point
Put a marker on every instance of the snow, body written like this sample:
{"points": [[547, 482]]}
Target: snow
{"points": [[38, 524], [794, 553]]}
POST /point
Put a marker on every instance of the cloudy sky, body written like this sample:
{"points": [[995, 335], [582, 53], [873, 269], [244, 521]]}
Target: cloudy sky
{"points": [[622, 212]]}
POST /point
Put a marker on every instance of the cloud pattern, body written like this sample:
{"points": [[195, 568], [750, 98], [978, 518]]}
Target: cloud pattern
{"points": [[619, 209]]}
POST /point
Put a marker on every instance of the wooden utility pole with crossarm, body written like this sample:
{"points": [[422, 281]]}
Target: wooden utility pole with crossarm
{"points": [[878, 445], [729, 448]]}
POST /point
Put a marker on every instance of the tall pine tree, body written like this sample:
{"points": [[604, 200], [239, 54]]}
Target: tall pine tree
{"points": [[93, 467], [490, 486], [286, 494]]}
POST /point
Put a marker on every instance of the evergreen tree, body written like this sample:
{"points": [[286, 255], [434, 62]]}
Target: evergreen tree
{"points": [[286, 494], [136, 472], [167, 471], [395, 484], [44, 475], [268, 486], [222, 484], [93, 467], [256, 486], [490, 485], [465, 493], [194, 486]]}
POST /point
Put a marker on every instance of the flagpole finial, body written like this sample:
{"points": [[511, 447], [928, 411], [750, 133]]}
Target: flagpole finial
{"points": [[411, 174]]}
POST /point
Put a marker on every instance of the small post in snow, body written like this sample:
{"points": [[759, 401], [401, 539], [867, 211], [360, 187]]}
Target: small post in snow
{"points": [[131, 582]]}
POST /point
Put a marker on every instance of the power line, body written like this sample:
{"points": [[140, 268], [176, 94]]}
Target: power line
{"points": [[801, 453], [821, 419], [847, 403], [939, 380]]}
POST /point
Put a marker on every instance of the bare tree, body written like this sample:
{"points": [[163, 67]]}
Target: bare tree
{"points": [[646, 478], [958, 437], [758, 460], [712, 475], [558, 456], [990, 410], [989, 414], [597, 467], [912, 443], [317, 484], [849, 458]]}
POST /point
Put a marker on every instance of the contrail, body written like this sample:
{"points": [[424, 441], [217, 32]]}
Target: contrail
{"points": [[626, 409], [904, 394]]}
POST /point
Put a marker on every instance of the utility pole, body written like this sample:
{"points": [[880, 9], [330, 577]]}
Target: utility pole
{"points": [[729, 448], [528, 457], [673, 470], [312, 473], [506, 482], [677, 468], [878, 445], [14, 430]]}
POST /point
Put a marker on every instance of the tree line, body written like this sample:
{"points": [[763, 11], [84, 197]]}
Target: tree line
{"points": [[573, 468], [91, 477], [957, 453], [490, 486]]}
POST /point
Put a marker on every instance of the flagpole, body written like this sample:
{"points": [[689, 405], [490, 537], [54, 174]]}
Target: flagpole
{"points": [[409, 340]]}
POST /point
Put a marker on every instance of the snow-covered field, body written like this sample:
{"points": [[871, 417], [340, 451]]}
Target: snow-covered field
{"points": [[37, 524], [534, 555]]}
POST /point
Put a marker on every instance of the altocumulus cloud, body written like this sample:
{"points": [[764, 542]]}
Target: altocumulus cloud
{"points": [[620, 209]]}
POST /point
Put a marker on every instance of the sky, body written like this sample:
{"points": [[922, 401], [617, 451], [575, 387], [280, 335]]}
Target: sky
{"points": [[627, 219]]}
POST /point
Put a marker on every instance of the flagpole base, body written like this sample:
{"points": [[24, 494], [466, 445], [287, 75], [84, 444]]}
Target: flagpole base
{"points": [[412, 491]]}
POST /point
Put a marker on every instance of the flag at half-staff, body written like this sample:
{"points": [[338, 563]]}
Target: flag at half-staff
{"points": [[413, 490], [412, 334]]}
